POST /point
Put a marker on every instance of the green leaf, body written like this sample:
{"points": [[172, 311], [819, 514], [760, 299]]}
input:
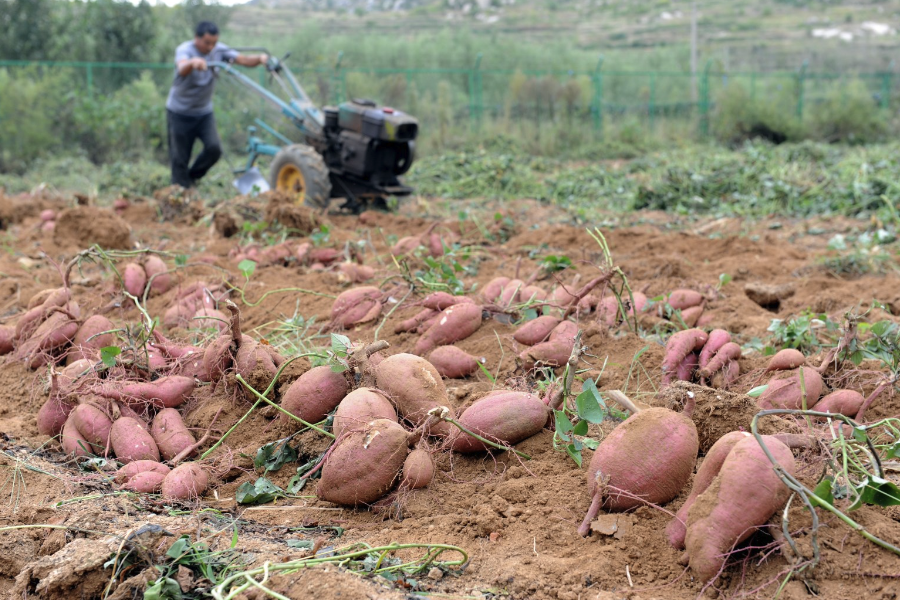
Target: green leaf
{"points": [[260, 492], [304, 544], [757, 391], [180, 548], [163, 588], [893, 451], [274, 455], [530, 314], [247, 267], [581, 428], [823, 491], [574, 453], [589, 404], [859, 434], [340, 344], [181, 260], [563, 425], [234, 538], [724, 279], [108, 355], [486, 372], [590, 443]]}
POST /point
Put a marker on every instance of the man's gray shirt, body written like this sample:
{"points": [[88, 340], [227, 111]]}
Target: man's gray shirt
{"points": [[192, 95]]}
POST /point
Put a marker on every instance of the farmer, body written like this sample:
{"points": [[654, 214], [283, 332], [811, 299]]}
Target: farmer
{"points": [[189, 109]]}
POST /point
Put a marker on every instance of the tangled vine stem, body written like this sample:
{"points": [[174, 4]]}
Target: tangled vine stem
{"points": [[346, 556], [443, 413], [562, 393], [807, 495]]}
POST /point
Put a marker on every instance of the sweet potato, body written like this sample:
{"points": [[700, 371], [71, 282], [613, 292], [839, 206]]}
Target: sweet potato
{"points": [[146, 482], [511, 293], [359, 407], [727, 352], [548, 354], [785, 360], [91, 337], [72, 441], [441, 300], [418, 470], [7, 336], [364, 463], [647, 458], [314, 394], [708, 470], [405, 245], [187, 481], [566, 330], [683, 299], [71, 377], [170, 433], [454, 323], [494, 288], [131, 441], [209, 317], [140, 466], [35, 315], [717, 339], [452, 362], [94, 425], [158, 276], [678, 347], [414, 387], [180, 313], [252, 355], [134, 279], [532, 293], [686, 368], [537, 330], [691, 316], [784, 390], [325, 256], [744, 495], [356, 306], [843, 402], [52, 416], [217, 358], [166, 392], [48, 214], [56, 331], [413, 323], [350, 272], [503, 417]]}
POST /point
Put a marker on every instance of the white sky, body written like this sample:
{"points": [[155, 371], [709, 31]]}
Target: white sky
{"points": [[173, 2]]}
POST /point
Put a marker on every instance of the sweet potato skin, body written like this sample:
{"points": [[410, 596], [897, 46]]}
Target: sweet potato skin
{"points": [[166, 392], [93, 425], [145, 482], [454, 323], [170, 433], [52, 416], [186, 482], [494, 288], [418, 470], [504, 417], [786, 360], [678, 347], [134, 279], [356, 306], [359, 407], [314, 394], [843, 402], [364, 464], [744, 495], [7, 336], [140, 466], [131, 441], [90, 338], [414, 387], [452, 362], [537, 330], [650, 455], [717, 338], [784, 390]]}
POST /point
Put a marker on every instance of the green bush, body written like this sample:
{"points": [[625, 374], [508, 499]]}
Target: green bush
{"points": [[30, 106], [849, 114]]}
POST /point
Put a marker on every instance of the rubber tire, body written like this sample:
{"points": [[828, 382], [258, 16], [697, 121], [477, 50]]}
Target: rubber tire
{"points": [[315, 174]]}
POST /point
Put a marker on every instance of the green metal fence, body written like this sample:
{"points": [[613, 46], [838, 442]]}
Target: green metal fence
{"points": [[538, 108]]}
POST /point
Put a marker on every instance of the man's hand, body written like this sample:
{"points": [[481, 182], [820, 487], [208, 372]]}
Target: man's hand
{"points": [[252, 60], [190, 64], [199, 64]]}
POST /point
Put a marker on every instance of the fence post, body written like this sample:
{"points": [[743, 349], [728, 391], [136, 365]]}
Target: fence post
{"points": [[704, 101], [597, 105], [90, 81], [651, 101], [473, 94], [886, 85], [800, 77], [336, 78]]}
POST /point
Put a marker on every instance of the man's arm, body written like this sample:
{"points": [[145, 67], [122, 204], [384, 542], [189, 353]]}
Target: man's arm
{"points": [[186, 65], [251, 60]]}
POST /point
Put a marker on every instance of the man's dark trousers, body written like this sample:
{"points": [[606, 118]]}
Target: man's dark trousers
{"points": [[183, 131]]}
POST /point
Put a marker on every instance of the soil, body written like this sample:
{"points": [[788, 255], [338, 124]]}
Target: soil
{"points": [[515, 518]]}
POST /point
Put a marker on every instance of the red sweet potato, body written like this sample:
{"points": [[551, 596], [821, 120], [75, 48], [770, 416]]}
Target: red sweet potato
{"points": [[537, 330], [418, 470], [405, 245], [843, 402], [686, 368], [209, 317], [691, 316], [785, 360], [325, 256], [158, 276], [717, 339], [52, 416], [546, 354], [140, 466], [36, 314], [413, 323], [364, 464], [709, 468], [356, 306], [511, 293], [134, 279], [414, 387], [187, 481], [452, 362], [647, 458], [678, 347], [166, 392], [503, 417], [744, 495], [726, 353], [7, 335], [314, 394], [94, 426], [683, 299], [72, 441], [170, 433], [441, 300], [145, 482], [494, 288], [454, 323], [180, 313], [359, 407], [566, 330], [56, 331], [252, 355], [532, 293], [350, 272], [94, 334], [48, 214], [131, 441], [784, 390]]}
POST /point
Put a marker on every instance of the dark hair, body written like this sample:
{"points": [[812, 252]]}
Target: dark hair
{"points": [[204, 27]]}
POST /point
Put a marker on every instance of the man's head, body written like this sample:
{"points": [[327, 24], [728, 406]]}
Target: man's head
{"points": [[205, 36]]}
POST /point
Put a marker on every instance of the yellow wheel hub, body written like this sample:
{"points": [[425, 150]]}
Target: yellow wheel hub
{"points": [[290, 179]]}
